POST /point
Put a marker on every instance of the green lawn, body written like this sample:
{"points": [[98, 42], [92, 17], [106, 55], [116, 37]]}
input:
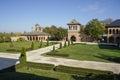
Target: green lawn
{"points": [[90, 52], [5, 47], [35, 74]]}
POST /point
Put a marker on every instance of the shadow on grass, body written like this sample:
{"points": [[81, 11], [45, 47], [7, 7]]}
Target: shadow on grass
{"points": [[11, 74], [22, 76]]}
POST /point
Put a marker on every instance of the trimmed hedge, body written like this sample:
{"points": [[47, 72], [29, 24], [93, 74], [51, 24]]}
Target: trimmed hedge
{"points": [[40, 65], [54, 54], [107, 75]]}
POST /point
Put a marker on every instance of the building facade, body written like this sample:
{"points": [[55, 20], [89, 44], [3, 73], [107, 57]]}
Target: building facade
{"points": [[113, 32], [74, 31], [36, 34]]}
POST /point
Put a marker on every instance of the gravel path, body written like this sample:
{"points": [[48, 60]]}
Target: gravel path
{"points": [[7, 59]]}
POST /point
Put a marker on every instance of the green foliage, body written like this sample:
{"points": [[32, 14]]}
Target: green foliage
{"points": [[11, 44], [59, 55], [95, 29], [65, 44], [56, 33], [23, 56], [68, 43], [106, 75], [54, 48], [20, 39], [41, 44], [61, 45], [47, 44], [72, 42], [32, 46]]}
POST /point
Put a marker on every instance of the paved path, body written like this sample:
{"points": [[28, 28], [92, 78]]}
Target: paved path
{"points": [[35, 56]]}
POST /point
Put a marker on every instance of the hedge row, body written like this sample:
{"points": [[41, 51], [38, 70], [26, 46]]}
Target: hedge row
{"points": [[40, 65], [84, 72], [54, 54]]}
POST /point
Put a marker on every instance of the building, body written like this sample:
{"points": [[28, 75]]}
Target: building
{"points": [[36, 34], [113, 32], [74, 31]]}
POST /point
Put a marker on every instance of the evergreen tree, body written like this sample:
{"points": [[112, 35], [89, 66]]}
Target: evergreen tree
{"points": [[54, 48], [32, 46], [68, 43], [41, 43], [23, 55], [65, 44], [60, 45], [47, 43]]}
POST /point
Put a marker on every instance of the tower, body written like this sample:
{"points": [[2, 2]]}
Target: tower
{"points": [[74, 31]]}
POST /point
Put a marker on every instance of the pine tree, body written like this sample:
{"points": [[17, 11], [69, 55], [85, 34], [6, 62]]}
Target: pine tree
{"points": [[32, 46], [41, 44], [23, 55], [60, 45], [65, 44]]}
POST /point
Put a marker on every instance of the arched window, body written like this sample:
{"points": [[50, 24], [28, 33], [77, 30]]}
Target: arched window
{"points": [[110, 31], [117, 32], [113, 31]]}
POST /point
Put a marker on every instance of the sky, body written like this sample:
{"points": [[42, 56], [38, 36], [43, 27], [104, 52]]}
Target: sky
{"points": [[22, 15]]}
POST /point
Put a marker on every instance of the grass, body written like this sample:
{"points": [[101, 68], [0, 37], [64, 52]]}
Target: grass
{"points": [[5, 47], [90, 52]]}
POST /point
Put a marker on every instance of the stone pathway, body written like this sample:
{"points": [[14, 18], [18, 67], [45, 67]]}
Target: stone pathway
{"points": [[35, 56]]}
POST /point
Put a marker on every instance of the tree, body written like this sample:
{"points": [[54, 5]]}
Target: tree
{"points": [[60, 45], [54, 48], [23, 55], [65, 44], [47, 43], [68, 43], [95, 29], [41, 44], [32, 46]]}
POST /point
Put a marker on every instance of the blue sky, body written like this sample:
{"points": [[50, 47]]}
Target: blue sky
{"points": [[22, 15]]}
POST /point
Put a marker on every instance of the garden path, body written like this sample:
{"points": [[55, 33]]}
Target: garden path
{"points": [[35, 56]]}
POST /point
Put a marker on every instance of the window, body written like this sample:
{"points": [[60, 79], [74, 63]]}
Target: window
{"points": [[113, 31], [110, 31]]}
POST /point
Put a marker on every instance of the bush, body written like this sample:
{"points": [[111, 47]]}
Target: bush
{"points": [[40, 65], [23, 55], [47, 44], [32, 46], [61, 55], [21, 39], [65, 44], [54, 48], [81, 71], [61, 45], [11, 44], [68, 43], [41, 44]]}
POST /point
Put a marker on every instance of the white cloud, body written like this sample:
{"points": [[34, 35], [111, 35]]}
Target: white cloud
{"points": [[95, 7]]}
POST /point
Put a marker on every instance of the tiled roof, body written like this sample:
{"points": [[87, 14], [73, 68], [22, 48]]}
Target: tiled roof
{"points": [[73, 22], [35, 33], [115, 23]]}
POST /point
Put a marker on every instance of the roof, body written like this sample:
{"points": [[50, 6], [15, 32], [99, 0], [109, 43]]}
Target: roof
{"points": [[73, 22], [115, 23], [35, 33]]}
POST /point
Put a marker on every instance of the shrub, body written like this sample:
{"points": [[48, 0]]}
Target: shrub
{"points": [[40, 65], [68, 43], [61, 55], [11, 44], [61, 45], [20, 39], [41, 44], [32, 46], [65, 44], [47, 44], [54, 48], [23, 55], [81, 71]]}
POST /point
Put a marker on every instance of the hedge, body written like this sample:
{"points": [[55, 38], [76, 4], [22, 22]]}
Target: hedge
{"points": [[85, 72], [54, 54]]}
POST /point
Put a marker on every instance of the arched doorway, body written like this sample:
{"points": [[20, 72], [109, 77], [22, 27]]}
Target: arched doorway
{"points": [[118, 39], [73, 38], [111, 39]]}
